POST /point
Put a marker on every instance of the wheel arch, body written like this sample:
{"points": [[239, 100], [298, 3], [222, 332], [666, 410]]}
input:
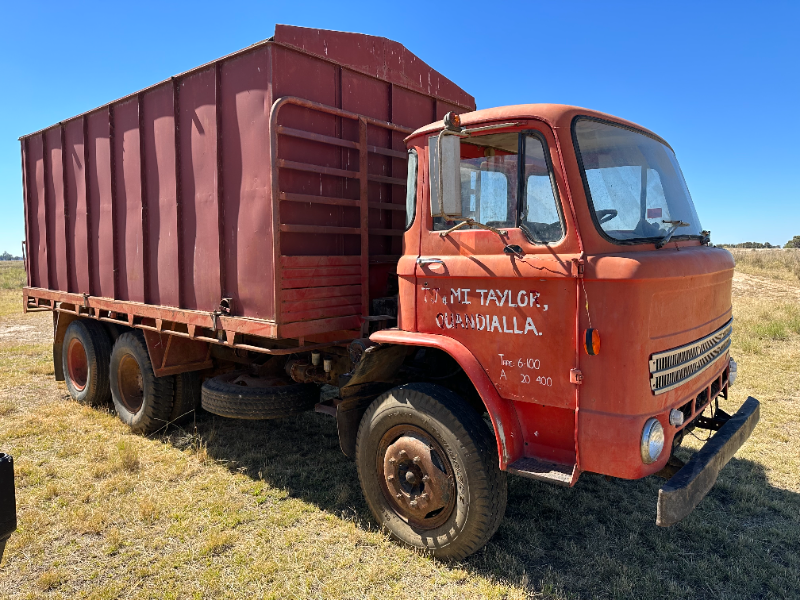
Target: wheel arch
{"points": [[507, 429]]}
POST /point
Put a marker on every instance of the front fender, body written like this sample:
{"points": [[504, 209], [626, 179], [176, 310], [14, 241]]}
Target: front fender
{"points": [[507, 430]]}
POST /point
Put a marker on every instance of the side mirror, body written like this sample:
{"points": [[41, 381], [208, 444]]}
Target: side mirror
{"points": [[445, 175]]}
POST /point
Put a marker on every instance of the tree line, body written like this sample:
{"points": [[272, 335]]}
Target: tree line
{"points": [[792, 243]]}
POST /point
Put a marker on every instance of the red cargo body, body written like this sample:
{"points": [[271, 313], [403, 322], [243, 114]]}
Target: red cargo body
{"points": [[260, 195]]}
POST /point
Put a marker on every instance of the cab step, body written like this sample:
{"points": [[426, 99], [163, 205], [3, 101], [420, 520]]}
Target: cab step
{"points": [[543, 470]]}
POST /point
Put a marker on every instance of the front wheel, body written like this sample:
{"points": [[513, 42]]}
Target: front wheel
{"points": [[429, 470]]}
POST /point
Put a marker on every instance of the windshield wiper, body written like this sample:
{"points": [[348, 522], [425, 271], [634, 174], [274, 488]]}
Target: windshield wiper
{"points": [[675, 224]]}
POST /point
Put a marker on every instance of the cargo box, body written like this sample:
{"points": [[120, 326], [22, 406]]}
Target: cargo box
{"points": [[267, 185]]}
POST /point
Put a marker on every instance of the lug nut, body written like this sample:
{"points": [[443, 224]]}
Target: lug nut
{"points": [[392, 460], [413, 504], [398, 495], [402, 454], [417, 459], [390, 478], [425, 478]]}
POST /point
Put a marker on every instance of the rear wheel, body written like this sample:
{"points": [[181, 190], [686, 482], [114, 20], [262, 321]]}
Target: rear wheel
{"points": [[187, 397], [85, 357], [142, 400], [429, 470]]}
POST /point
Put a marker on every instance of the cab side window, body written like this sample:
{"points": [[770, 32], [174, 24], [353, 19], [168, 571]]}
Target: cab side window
{"points": [[488, 180], [540, 214], [499, 190]]}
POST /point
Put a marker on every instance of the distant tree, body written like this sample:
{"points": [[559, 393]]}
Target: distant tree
{"points": [[793, 243], [753, 245], [6, 256]]}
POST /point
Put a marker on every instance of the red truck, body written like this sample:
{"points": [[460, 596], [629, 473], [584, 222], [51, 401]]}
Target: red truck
{"points": [[523, 290]]}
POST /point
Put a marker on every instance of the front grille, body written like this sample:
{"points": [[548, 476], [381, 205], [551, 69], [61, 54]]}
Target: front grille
{"points": [[675, 367]]}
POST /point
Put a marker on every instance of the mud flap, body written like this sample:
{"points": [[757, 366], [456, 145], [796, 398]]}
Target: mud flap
{"points": [[8, 503], [688, 487]]}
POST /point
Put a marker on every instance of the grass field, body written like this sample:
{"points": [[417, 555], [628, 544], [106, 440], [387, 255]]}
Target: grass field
{"points": [[274, 510], [774, 263]]}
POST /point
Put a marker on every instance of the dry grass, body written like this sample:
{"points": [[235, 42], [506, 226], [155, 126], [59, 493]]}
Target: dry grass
{"points": [[273, 510], [782, 264]]}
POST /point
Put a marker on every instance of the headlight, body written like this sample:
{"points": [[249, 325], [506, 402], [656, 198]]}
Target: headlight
{"points": [[732, 373], [652, 441]]}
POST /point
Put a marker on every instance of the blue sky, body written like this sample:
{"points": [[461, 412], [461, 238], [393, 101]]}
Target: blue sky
{"points": [[719, 80]]}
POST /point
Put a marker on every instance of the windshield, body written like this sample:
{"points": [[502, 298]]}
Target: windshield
{"points": [[634, 184]]}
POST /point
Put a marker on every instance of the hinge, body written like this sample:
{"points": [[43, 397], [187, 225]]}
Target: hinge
{"points": [[580, 264], [575, 376]]}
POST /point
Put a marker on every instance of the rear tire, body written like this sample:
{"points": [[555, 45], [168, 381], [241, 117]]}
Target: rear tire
{"points": [[142, 400], [238, 395], [85, 357], [429, 470], [187, 397]]}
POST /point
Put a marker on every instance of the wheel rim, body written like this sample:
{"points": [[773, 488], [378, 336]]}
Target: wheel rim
{"points": [[416, 476], [77, 364], [129, 378]]}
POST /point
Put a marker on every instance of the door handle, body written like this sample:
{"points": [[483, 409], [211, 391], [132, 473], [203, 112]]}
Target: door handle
{"points": [[428, 261]]}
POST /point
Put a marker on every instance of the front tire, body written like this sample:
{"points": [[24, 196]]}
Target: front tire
{"points": [[142, 400], [429, 470]]}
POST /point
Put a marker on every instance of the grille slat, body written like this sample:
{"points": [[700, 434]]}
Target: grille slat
{"points": [[675, 367]]}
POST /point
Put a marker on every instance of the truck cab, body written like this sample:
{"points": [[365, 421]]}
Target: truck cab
{"points": [[567, 271]]}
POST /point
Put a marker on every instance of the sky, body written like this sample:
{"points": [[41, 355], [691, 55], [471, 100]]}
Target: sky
{"points": [[720, 81]]}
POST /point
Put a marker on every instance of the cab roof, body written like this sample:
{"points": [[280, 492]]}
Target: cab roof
{"points": [[555, 115]]}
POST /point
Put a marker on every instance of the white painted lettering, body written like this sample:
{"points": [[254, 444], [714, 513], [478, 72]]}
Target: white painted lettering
{"points": [[465, 300], [505, 327], [480, 322], [529, 326], [491, 296], [495, 323], [481, 292], [515, 326], [522, 298]]}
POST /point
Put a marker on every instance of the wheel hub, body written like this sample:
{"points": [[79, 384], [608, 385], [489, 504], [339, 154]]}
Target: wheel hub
{"points": [[418, 479], [77, 364], [131, 385]]}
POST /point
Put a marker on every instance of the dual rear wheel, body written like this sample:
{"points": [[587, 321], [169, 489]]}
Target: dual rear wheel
{"points": [[96, 373]]}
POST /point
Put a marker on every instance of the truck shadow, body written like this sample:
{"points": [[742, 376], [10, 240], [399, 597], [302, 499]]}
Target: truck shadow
{"points": [[598, 539]]}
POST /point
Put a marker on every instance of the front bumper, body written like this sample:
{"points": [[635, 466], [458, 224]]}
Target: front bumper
{"points": [[684, 491]]}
